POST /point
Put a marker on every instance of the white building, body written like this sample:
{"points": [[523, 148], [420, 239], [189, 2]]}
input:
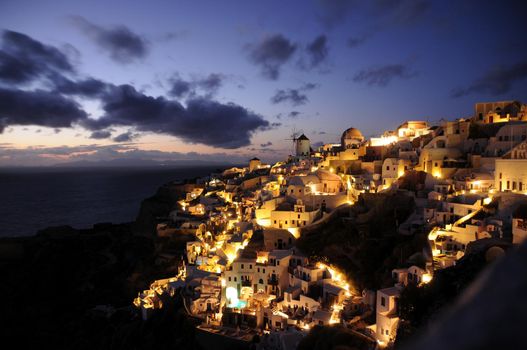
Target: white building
{"points": [[511, 170], [386, 314], [303, 146]]}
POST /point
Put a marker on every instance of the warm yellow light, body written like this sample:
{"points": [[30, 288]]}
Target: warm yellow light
{"points": [[426, 278]]}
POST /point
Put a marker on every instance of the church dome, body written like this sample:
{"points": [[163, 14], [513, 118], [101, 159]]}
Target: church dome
{"points": [[352, 133]]}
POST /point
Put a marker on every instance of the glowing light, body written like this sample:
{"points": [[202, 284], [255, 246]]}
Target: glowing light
{"points": [[426, 278], [295, 231], [280, 313], [232, 297], [383, 140], [437, 174], [264, 222], [261, 259], [337, 276]]}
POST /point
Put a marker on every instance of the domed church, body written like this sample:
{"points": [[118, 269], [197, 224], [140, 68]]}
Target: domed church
{"points": [[351, 138]]}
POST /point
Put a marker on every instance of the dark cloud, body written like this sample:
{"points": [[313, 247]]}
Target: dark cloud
{"points": [[201, 121], [100, 134], [316, 145], [89, 87], [208, 86], [18, 107], [293, 114], [317, 52], [497, 81], [179, 87], [212, 82], [267, 144], [333, 12], [23, 59], [295, 97], [125, 137], [271, 53], [383, 75], [123, 45]]}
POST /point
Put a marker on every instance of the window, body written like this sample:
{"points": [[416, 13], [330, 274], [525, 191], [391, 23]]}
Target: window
{"points": [[275, 221], [299, 216], [250, 267], [514, 185], [242, 266], [258, 269], [500, 175], [383, 301], [387, 168], [234, 279], [292, 191], [508, 185], [520, 187], [260, 281], [293, 222], [436, 164], [229, 278], [304, 223]]}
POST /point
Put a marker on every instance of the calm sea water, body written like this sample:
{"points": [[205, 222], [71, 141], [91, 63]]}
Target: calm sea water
{"points": [[33, 199]]}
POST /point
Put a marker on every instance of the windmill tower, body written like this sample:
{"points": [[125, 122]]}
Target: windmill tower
{"points": [[293, 137], [303, 146]]}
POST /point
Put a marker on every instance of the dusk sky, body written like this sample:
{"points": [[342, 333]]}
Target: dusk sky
{"points": [[229, 80]]}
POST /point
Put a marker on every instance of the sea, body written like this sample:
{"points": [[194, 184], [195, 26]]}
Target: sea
{"points": [[32, 199]]}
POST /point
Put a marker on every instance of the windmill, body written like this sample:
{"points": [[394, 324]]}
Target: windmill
{"points": [[294, 138]]}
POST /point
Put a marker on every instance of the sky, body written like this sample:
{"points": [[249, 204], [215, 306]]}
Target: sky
{"points": [[229, 80]]}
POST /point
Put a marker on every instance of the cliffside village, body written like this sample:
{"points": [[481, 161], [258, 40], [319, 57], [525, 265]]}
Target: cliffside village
{"points": [[243, 275]]}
